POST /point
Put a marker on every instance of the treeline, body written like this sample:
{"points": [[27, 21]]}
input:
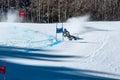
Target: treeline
{"points": [[48, 11]]}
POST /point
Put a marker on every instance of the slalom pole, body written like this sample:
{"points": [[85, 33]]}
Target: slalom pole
{"points": [[4, 76], [56, 31], [4, 63], [5, 70], [62, 32]]}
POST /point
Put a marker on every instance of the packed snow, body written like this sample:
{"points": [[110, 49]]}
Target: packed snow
{"points": [[95, 56]]}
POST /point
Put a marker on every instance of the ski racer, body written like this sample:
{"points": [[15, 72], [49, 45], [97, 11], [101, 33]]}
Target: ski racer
{"points": [[67, 34]]}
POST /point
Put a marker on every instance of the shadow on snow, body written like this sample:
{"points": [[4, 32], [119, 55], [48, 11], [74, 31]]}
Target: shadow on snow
{"points": [[23, 72], [92, 29]]}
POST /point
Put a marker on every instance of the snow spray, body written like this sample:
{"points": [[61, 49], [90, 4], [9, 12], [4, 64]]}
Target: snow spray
{"points": [[76, 24], [10, 16]]}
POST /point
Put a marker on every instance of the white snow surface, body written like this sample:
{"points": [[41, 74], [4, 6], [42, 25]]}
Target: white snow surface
{"points": [[98, 50]]}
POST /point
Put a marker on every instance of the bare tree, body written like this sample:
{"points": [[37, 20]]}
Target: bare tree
{"points": [[61, 10]]}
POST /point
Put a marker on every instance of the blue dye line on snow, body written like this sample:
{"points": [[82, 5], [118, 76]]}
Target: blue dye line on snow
{"points": [[29, 30], [52, 44], [50, 37], [55, 43]]}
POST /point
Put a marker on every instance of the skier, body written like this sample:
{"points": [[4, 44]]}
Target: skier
{"points": [[68, 35]]}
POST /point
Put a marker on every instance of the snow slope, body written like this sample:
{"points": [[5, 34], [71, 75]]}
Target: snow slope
{"points": [[32, 53]]}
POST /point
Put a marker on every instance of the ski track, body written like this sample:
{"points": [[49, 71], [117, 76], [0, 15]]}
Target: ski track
{"points": [[89, 56], [102, 44], [27, 40]]}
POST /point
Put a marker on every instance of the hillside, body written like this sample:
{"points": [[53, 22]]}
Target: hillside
{"points": [[96, 56]]}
